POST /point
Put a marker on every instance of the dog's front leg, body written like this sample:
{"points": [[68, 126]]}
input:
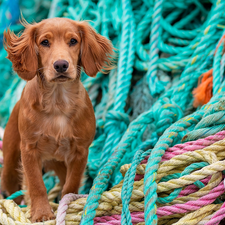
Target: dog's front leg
{"points": [[31, 160], [75, 170]]}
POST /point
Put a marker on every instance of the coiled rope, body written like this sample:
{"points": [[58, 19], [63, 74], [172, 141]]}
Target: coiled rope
{"points": [[144, 108]]}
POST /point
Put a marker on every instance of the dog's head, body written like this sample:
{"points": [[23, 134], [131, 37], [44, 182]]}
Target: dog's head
{"points": [[57, 48]]}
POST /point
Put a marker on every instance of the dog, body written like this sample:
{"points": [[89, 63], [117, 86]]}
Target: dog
{"points": [[53, 123]]}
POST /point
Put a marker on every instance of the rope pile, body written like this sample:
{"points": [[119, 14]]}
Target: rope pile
{"points": [[191, 181], [156, 159]]}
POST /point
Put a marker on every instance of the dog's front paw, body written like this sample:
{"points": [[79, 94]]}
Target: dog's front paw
{"points": [[43, 214]]}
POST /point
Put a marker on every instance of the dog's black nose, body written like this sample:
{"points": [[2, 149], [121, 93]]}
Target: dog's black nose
{"points": [[61, 66]]}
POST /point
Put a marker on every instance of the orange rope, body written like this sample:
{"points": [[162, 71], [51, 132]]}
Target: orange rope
{"points": [[203, 93]]}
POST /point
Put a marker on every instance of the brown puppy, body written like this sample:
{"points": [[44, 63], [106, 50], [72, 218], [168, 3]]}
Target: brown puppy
{"points": [[54, 121]]}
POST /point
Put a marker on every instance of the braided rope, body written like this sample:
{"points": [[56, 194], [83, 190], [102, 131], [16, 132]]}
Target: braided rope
{"points": [[154, 86], [206, 199], [192, 205], [78, 206], [155, 158], [175, 42], [191, 218], [54, 192], [63, 206], [217, 217]]}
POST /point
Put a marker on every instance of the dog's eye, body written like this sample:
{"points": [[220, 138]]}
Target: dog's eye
{"points": [[45, 42], [73, 42]]}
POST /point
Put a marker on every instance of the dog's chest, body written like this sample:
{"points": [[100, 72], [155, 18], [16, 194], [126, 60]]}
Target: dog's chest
{"points": [[57, 121], [51, 148], [58, 127], [57, 136]]}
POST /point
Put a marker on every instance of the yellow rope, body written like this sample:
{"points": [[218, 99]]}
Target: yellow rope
{"points": [[167, 219], [185, 159], [54, 192], [190, 179], [197, 216], [140, 169], [14, 211], [113, 196], [206, 219], [16, 216], [110, 202], [214, 181], [177, 161]]}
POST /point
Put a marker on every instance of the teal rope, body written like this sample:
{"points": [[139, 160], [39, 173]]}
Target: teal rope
{"points": [[177, 191], [126, 61], [152, 165], [123, 83], [16, 194], [216, 69], [126, 193], [193, 32], [128, 183], [154, 85]]}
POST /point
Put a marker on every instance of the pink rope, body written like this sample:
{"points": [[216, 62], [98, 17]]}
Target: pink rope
{"points": [[192, 145], [188, 206], [138, 177], [63, 206], [218, 216], [137, 217], [192, 188], [188, 190], [192, 205], [185, 147], [1, 158], [174, 209]]}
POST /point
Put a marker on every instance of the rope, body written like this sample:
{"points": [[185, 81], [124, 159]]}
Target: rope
{"points": [[170, 154], [192, 145], [217, 217], [54, 192], [63, 206], [110, 202], [154, 51]]}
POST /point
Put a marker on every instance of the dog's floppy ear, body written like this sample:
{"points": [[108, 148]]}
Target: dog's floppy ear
{"points": [[21, 51], [96, 51]]}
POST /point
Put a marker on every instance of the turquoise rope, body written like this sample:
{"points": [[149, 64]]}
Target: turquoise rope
{"points": [[126, 61], [130, 121], [16, 194], [177, 191], [152, 165], [216, 68], [155, 86]]}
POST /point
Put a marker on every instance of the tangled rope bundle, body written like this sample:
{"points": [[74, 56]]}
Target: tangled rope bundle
{"points": [[156, 159], [191, 184]]}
